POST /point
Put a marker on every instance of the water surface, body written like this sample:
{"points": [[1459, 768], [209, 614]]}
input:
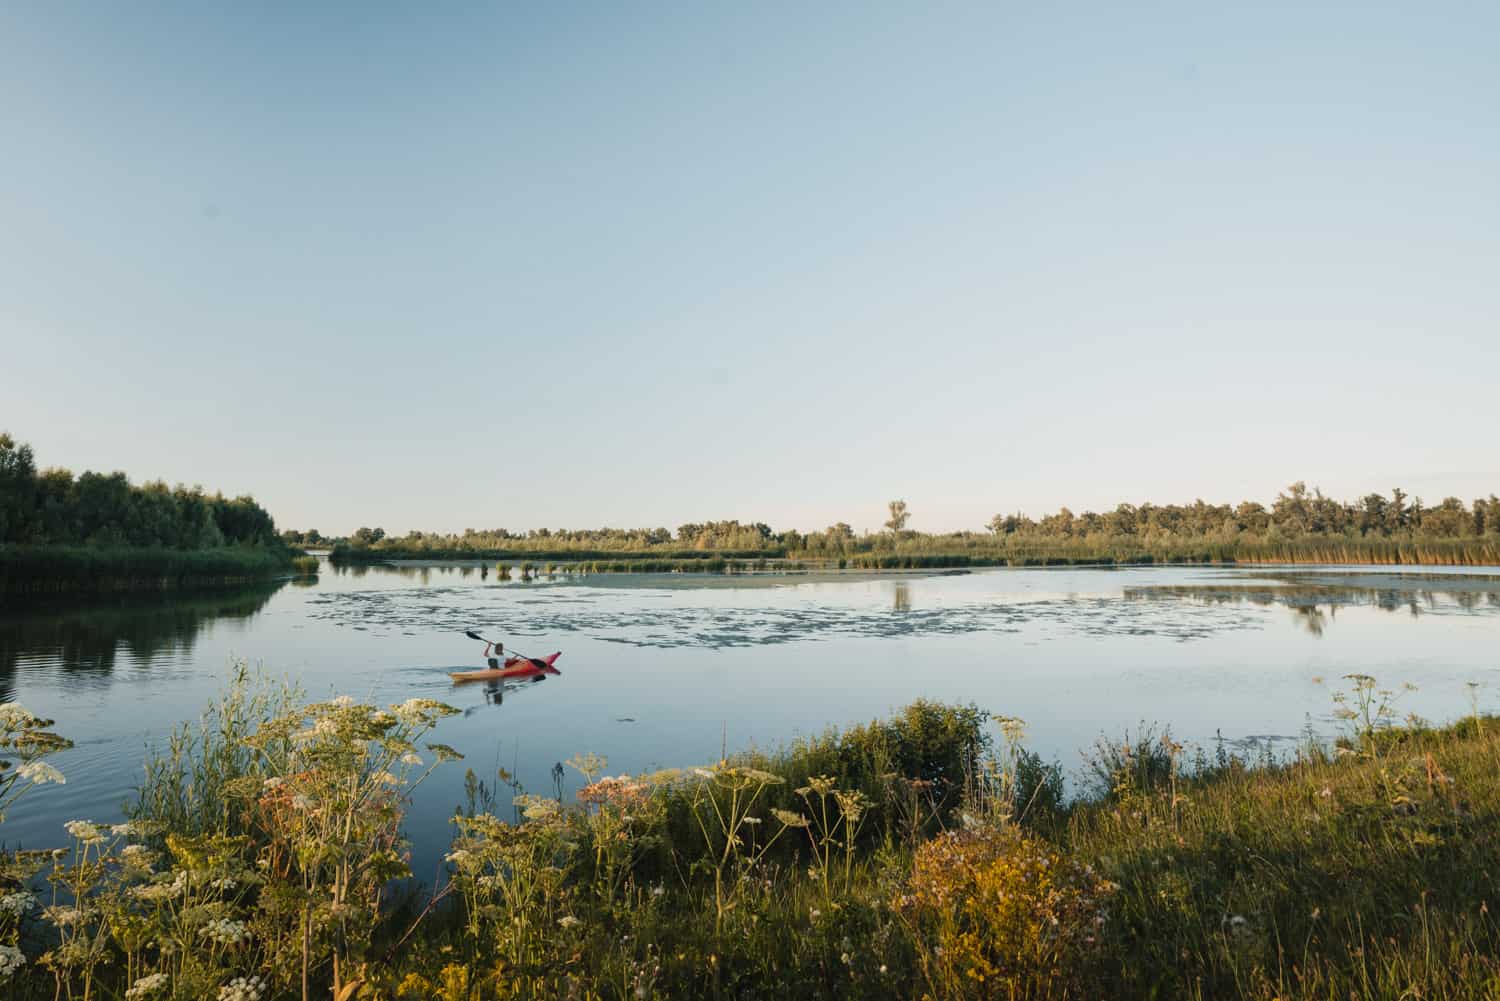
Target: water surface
{"points": [[661, 670]]}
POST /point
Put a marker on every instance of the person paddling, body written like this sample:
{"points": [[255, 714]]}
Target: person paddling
{"points": [[499, 649]]}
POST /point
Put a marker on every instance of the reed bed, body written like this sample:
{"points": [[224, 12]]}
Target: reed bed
{"points": [[81, 569]]}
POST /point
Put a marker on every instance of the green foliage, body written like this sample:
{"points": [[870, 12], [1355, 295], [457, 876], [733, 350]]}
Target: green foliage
{"points": [[94, 531], [1362, 870], [47, 569], [1301, 526], [189, 782]]}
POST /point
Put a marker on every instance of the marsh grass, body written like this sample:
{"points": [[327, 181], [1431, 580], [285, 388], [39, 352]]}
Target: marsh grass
{"points": [[80, 569]]}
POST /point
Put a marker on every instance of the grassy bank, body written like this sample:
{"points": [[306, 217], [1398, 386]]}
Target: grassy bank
{"points": [[76, 569], [913, 857], [1016, 553]]}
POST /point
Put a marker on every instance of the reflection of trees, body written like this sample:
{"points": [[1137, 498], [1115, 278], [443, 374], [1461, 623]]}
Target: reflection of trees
{"points": [[87, 637], [1311, 618], [1308, 599]]}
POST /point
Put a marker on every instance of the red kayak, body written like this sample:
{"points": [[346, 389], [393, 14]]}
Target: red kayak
{"points": [[514, 667]]}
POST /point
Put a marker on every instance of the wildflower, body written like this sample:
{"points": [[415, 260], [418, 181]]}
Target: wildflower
{"points": [[158, 892], [658, 890], [386, 778], [14, 717], [63, 916], [344, 701], [85, 831], [813, 914], [411, 758], [750, 820], [225, 884], [138, 856], [11, 958], [789, 819], [421, 711], [17, 903], [40, 773], [226, 931], [536, 807], [1325, 792], [121, 830], [273, 782], [568, 921], [243, 989], [301, 802], [146, 986]]}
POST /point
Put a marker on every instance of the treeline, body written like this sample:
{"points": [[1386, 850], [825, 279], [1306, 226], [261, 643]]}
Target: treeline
{"points": [[1301, 525], [100, 529]]}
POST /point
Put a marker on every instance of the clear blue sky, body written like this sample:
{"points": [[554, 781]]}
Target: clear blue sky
{"points": [[438, 266]]}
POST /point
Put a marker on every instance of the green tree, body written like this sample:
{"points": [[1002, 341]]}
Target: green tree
{"points": [[17, 489], [899, 516]]}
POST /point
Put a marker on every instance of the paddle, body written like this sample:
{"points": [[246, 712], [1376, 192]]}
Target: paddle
{"points": [[540, 665]]}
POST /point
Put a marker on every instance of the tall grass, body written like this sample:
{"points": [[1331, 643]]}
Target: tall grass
{"points": [[75, 569], [910, 857]]}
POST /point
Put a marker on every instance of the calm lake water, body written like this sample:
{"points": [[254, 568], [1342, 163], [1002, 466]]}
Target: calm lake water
{"points": [[660, 671]]}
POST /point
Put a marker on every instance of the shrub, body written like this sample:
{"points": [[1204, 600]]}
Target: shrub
{"points": [[997, 913]]}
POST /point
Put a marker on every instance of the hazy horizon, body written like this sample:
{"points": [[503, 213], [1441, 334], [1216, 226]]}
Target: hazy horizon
{"points": [[638, 267]]}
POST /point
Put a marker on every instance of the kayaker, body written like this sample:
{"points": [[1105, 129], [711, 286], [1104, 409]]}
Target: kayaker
{"points": [[494, 661]]}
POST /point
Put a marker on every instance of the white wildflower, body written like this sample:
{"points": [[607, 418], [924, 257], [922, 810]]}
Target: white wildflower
{"points": [[40, 773], [386, 778], [85, 831], [14, 717], [411, 758], [146, 986], [568, 921], [63, 916], [121, 830], [136, 856], [226, 931], [11, 958], [344, 700], [273, 782], [243, 989], [17, 903]]}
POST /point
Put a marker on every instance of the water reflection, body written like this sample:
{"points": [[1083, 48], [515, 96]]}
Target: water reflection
{"points": [[496, 692], [902, 601], [89, 637], [1316, 599]]}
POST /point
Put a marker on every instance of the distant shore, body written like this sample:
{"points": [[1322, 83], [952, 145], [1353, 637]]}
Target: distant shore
{"points": [[1321, 551]]}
